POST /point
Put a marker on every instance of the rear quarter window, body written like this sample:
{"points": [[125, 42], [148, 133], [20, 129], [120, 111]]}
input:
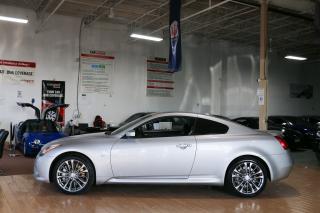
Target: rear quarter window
{"points": [[209, 127]]}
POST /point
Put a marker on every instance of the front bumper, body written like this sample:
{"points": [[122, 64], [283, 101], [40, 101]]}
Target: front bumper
{"points": [[41, 168]]}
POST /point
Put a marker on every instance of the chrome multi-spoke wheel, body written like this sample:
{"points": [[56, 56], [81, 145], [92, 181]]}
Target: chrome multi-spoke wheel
{"points": [[73, 175], [247, 177]]}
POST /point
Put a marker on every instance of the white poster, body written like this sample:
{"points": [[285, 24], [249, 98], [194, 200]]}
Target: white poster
{"points": [[96, 72], [17, 72], [159, 79]]}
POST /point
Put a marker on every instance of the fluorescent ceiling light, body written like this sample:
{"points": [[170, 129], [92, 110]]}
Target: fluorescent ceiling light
{"points": [[297, 58], [145, 37], [11, 19]]}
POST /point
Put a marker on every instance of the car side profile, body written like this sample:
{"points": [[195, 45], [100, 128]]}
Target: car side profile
{"points": [[167, 148]]}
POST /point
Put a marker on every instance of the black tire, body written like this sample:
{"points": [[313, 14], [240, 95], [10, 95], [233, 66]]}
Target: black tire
{"points": [[25, 149], [89, 177], [255, 177]]}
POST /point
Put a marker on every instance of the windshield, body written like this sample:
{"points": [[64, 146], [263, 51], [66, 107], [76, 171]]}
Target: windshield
{"points": [[130, 124], [41, 126]]}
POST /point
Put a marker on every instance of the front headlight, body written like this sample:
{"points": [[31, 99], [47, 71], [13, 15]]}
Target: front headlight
{"points": [[47, 149], [36, 142], [318, 134]]}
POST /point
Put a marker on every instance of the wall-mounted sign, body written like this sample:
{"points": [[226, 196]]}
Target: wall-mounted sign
{"points": [[96, 72], [260, 94], [53, 92], [301, 91], [17, 71], [159, 79]]}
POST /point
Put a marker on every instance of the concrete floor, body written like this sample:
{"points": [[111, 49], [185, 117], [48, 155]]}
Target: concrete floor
{"points": [[298, 193]]}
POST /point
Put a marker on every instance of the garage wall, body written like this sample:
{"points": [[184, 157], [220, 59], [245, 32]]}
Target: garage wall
{"points": [[283, 73], [311, 74], [217, 77]]}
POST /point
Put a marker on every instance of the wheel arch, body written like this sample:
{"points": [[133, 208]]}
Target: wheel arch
{"points": [[78, 154], [261, 160]]}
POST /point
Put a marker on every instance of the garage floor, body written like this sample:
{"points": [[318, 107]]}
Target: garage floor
{"points": [[299, 193]]}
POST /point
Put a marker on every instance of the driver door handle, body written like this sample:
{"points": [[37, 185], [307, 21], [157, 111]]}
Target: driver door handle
{"points": [[183, 145]]}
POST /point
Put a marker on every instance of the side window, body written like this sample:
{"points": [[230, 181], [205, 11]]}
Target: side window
{"points": [[208, 127], [166, 127]]}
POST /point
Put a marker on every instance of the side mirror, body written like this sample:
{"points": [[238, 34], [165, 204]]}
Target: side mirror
{"points": [[131, 134]]}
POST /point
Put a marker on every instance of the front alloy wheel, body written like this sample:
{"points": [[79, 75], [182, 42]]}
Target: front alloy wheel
{"points": [[246, 178], [73, 175]]}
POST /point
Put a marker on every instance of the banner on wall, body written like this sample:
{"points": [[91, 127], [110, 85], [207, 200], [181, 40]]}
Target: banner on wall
{"points": [[175, 36], [17, 71], [53, 92], [96, 72], [159, 79]]}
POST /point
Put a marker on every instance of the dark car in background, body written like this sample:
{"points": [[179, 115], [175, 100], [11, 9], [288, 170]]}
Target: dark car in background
{"points": [[293, 137], [314, 120], [307, 130]]}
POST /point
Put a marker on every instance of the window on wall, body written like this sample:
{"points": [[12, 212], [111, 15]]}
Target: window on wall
{"points": [[166, 127], [209, 127]]}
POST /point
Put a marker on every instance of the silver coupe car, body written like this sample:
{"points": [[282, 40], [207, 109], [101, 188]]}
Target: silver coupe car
{"points": [[167, 148]]}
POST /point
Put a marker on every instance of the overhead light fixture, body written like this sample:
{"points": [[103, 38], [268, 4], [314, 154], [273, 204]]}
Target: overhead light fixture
{"points": [[297, 58], [145, 37], [11, 19]]}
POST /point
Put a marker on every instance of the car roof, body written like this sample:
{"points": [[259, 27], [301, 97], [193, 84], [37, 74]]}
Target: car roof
{"points": [[234, 128]]}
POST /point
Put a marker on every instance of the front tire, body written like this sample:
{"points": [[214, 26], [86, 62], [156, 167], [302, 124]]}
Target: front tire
{"points": [[73, 174], [247, 177], [25, 152]]}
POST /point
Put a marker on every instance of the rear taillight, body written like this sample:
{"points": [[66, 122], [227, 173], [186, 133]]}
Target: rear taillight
{"points": [[282, 142]]}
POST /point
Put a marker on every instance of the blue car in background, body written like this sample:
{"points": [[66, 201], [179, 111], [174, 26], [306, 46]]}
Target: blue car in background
{"points": [[32, 134]]}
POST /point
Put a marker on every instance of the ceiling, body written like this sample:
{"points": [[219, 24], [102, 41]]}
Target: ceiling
{"points": [[291, 24]]}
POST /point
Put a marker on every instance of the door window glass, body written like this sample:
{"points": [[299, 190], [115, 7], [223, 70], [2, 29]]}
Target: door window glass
{"points": [[166, 127]]}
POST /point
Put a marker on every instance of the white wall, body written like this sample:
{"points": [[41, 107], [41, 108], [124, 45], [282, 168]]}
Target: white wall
{"points": [[217, 77]]}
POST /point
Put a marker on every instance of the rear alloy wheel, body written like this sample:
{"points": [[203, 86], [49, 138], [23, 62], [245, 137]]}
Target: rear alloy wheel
{"points": [[246, 177], [73, 175]]}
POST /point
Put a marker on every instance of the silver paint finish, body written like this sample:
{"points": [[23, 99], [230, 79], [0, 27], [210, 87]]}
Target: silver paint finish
{"points": [[202, 159]]}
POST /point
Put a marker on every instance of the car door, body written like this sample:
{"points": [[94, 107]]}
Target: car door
{"points": [[160, 148]]}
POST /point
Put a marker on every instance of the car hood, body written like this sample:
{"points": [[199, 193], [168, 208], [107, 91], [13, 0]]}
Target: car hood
{"points": [[43, 137], [87, 138]]}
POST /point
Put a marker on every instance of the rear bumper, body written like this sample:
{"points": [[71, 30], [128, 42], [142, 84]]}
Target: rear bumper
{"points": [[281, 166]]}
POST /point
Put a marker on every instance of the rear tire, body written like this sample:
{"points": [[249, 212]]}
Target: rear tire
{"points": [[247, 177], [73, 174]]}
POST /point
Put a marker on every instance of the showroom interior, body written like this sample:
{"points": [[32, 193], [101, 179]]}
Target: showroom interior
{"points": [[98, 62]]}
